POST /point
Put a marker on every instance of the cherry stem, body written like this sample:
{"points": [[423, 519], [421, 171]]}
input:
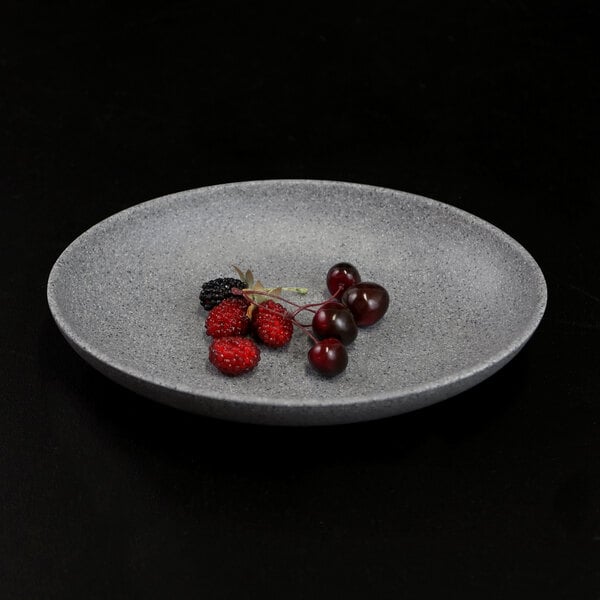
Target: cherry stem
{"points": [[238, 292], [309, 306], [306, 330], [246, 293]]}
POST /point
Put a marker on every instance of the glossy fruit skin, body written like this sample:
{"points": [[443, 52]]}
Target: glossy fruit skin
{"points": [[329, 357], [333, 304], [335, 322], [342, 275], [367, 301]]}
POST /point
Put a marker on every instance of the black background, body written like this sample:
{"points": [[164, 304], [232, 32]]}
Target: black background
{"points": [[489, 106]]}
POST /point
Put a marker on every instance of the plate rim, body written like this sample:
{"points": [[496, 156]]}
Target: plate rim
{"points": [[493, 363]]}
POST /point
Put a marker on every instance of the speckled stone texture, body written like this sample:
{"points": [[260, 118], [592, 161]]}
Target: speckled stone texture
{"points": [[465, 297]]}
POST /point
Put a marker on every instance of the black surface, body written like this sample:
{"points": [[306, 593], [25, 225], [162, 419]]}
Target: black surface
{"points": [[490, 106]]}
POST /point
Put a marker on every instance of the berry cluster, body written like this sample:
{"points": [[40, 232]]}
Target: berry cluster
{"points": [[238, 307]]}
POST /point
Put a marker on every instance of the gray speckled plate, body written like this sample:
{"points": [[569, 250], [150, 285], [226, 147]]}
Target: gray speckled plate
{"points": [[465, 297]]}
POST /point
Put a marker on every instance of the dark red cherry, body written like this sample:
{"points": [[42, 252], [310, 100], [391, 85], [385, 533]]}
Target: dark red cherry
{"points": [[337, 322], [367, 301], [342, 275], [333, 304], [329, 357]]}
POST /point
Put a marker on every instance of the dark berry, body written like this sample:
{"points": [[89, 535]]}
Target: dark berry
{"points": [[215, 291]]}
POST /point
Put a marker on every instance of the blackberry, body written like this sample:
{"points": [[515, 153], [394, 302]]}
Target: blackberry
{"points": [[215, 291]]}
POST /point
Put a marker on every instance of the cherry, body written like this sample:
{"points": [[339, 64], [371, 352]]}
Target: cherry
{"points": [[332, 321], [333, 304], [342, 275], [329, 357], [367, 301]]}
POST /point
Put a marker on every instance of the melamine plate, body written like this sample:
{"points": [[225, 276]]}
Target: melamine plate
{"points": [[465, 297]]}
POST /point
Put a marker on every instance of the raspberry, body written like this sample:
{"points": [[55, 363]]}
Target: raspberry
{"points": [[228, 318], [234, 355], [272, 324], [216, 290]]}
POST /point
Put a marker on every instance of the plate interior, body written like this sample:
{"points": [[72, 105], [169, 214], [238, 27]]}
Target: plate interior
{"points": [[463, 294]]}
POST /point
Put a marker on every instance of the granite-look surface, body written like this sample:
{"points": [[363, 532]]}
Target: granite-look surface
{"points": [[465, 297]]}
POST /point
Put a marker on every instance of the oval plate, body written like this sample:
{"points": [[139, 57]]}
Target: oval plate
{"points": [[465, 297]]}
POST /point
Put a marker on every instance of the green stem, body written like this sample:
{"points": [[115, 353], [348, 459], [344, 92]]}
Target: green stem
{"points": [[299, 290]]}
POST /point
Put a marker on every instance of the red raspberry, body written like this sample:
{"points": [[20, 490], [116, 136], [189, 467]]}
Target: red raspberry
{"points": [[228, 318], [234, 355], [272, 324]]}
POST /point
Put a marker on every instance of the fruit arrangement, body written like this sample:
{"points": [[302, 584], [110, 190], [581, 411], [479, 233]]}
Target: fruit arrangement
{"points": [[242, 312]]}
